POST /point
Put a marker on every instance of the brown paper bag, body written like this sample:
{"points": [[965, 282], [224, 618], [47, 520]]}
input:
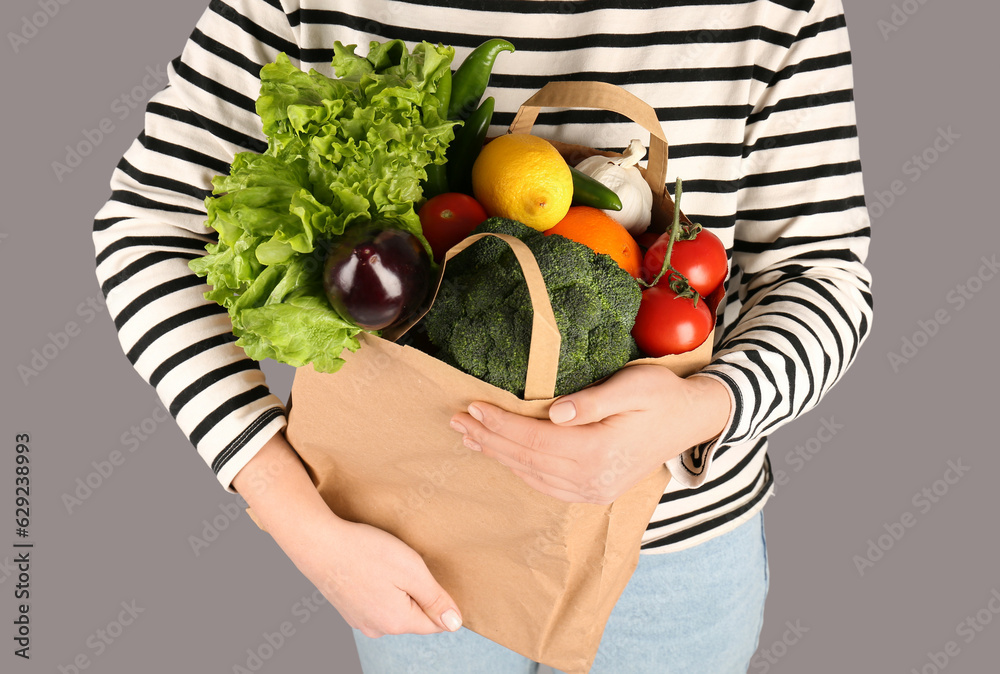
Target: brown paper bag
{"points": [[530, 572]]}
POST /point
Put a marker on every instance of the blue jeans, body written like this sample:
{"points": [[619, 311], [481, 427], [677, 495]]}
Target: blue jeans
{"points": [[697, 611]]}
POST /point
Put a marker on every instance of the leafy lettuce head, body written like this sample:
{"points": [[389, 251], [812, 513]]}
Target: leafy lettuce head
{"points": [[341, 152]]}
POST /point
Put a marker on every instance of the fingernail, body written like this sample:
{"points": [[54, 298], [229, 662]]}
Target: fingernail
{"points": [[451, 620], [472, 444], [562, 412], [459, 427], [476, 413]]}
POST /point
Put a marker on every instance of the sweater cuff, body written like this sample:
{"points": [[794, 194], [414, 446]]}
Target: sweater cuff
{"points": [[246, 445], [691, 467]]}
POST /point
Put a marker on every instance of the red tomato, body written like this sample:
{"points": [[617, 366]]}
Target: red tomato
{"points": [[447, 219], [647, 239], [702, 260], [667, 324]]}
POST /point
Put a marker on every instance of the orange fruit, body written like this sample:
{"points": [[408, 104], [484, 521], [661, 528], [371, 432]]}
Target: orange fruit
{"points": [[596, 229]]}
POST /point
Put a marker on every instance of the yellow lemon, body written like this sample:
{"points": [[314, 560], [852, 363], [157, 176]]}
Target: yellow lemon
{"points": [[523, 178]]}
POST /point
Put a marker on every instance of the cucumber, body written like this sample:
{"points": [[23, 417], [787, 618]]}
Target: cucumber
{"points": [[589, 192]]}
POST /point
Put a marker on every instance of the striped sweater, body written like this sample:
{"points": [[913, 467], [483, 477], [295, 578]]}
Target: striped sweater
{"points": [[754, 96]]}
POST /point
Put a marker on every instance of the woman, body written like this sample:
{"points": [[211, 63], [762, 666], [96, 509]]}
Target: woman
{"points": [[756, 101]]}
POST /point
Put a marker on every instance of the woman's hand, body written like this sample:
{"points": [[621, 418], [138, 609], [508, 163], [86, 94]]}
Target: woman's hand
{"points": [[378, 583], [599, 442]]}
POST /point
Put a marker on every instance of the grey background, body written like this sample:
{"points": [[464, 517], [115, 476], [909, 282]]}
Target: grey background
{"points": [[130, 540]]}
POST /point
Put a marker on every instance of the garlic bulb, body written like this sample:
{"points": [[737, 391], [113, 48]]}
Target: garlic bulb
{"points": [[623, 177]]}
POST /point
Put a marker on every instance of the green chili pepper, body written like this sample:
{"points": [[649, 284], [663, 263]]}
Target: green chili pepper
{"points": [[437, 180], [444, 89], [464, 150], [588, 191], [471, 78]]}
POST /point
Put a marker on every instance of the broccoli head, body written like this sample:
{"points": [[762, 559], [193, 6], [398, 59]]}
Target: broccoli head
{"points": [[481, 319]]}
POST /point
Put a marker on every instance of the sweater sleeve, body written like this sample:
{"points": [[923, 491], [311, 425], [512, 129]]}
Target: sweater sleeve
{"points": [[154, 224], [801, 239]]}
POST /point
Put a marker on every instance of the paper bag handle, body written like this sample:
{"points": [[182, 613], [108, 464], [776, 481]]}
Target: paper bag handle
{"points": [[543, 354], [603, 96]]}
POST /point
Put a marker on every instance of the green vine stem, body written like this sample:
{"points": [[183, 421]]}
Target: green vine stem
{"points": [[689, 232], [677, 281]]}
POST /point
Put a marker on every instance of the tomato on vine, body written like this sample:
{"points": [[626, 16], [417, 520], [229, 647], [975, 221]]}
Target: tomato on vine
{"points": [[702, 260], [673, 316], [668, 323]]}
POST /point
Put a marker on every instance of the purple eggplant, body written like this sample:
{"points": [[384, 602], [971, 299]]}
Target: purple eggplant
{"points": [[376, 276]]}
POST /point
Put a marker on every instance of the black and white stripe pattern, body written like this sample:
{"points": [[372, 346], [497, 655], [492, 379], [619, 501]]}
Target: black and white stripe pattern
{"points": [[755, 98]]}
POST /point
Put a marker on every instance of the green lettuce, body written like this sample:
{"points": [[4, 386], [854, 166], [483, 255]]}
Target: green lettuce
{"points": [[341, 153]]}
